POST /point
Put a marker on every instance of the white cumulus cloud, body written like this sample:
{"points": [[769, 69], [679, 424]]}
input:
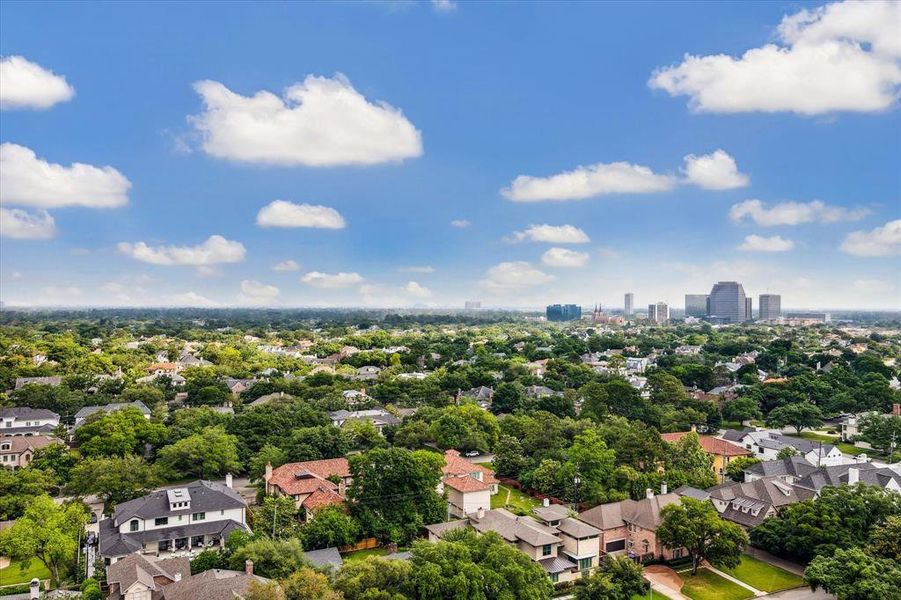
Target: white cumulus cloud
{"points": [[280, 213], [759, 243], [32, 181], [416, 290], [20, 224], [192, 299], [254, 292], [840, 57], [319, 122], [793, 213], [881, 241], [215, 250], [716, 171], [286, 266], [513, 276], [589, 181], [563, 257], [331, 280], [444, 5], [417, 269], [24, 84], [554, 234], [460, 223]]}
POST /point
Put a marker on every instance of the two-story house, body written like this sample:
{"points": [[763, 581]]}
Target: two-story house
{"points": [[581, 541], [469, 486], [749, 503], [722, 452], [17, 450], [766, 445], [82, 415], [21, 420], [379, 417], [311, 484], [199, 515]]}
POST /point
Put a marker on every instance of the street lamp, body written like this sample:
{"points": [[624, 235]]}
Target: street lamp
{"points": [[576, 482]]}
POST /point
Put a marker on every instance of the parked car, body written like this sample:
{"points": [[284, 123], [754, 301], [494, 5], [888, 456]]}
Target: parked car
{"points": [[472, 453]]}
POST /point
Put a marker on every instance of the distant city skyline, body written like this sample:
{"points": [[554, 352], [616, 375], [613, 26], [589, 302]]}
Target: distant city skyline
{"points": [[355, 154]]}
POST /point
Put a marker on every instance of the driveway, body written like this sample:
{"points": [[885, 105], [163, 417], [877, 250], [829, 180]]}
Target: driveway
{"points": [[665, 580]]}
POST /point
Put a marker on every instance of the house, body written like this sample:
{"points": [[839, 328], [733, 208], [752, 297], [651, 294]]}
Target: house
{"points": [[539, 542], [789, 470], [687, 350], [537, 367], [236, 386], [636, 365], [82, 415], [17, 451], [266, 399], [137, 578], [749, 503], [355, 396], [311, 484], [721, 451], [851, 423], [541, 391], [367, 373], [629, 526], [849, 474], [174, 378], [581, 541], [189, 360], [51, 381], [469, 486], [22, 420], [198, 515], [479, 394], [327, 558], [766, 445], [164, 368], [377, 416]]}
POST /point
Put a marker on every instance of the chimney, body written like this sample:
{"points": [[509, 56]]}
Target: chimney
{"points": [[694, 427], [248, 566], [853, 475], [342, 488], [228, 480], [546, 502], [649, 493], [896, 409], [663, 488], [34, 589], [178, 577], [268, 474], [480, 514]]}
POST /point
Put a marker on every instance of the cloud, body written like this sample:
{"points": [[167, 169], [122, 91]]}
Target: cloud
{"points": [[215, 250], [840, 57], [757, 243], [286, 266], [873, 285], [444, 6], [192, 299], [554, 234], [24, 84], [20, 224], [422, 269], [319, 122], [513, 276], [562, 257], [416, 290], [254, 292], [716, 171], [793, 213], [331, 280], [607, 252], [208, 271], [460, 223], [587, 182], [882, 241], [32, 181], [280, 213]]}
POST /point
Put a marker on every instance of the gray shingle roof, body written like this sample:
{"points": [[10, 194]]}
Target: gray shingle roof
{"points": [[327, 557], [90, 410], [113, 542], [205, 496], [557, 564], [794, 466], [26, 413]]}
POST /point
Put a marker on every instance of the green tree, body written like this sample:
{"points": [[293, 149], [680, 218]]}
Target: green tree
{"points": [[736, 467], [276, 516], [854, 575], [114, 479], [786, 452], [274, 559], [329, 526], [268, 454], [616, 579], [886, 539], [741, 409], [212, 452], [259, 590], [881, 431], [307, 584], [48, 532], [208, 559], [90, 590], [118, 433], [509, 458], [57, 459], [594, 401], [508, 398], [800, 415], [393, 494], [376, 579], [696, 526], [20, 487], [687, 462]]}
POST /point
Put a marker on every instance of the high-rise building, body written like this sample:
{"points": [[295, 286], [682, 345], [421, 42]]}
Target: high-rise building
{"points": [[696, 305], [769, 307], [473, 304], [563, 312], [658, 313], [748, 308], [728, 303], [629, 304]]}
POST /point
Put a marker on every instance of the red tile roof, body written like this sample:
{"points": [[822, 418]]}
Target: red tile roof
{"points": [[456, 466], [317, 471], [710, 444], [466, 483], [321, 497]]}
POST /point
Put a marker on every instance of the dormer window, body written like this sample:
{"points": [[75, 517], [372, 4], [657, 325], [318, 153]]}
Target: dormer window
{"points": [[134, 525], [6, 447]]}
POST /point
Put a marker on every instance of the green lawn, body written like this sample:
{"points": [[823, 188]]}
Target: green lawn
{"points": [[653, 596], [707, 585], [513, 500], [814, 436], [12, 574], [763, 576], [359, 555]]}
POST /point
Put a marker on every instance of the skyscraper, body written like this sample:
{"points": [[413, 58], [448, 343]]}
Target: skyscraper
{"points": [[728, 303], [696, 305], [769, 307], [629, 304], [563, 312], [748, 308], [658, 313]]}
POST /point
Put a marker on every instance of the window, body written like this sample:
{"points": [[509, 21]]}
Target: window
{"points": [[584, 563], [677, 553], [546, 550], [165, 545], [615, 546], [161, 521], [133, 526], [555, 577], [198, 516]]}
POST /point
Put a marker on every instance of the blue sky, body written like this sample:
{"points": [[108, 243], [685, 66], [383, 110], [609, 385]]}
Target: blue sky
{"points": [[418, 115]]}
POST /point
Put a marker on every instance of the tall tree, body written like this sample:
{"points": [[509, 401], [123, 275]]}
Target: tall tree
{"points": [[800, 415], [696, 526], [113, 479], [307, 584], [118, 433], [212, 452], [854, 575], [329, 526]]}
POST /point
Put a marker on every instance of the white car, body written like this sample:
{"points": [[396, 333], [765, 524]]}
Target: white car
{"points": [[472, 453]]}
